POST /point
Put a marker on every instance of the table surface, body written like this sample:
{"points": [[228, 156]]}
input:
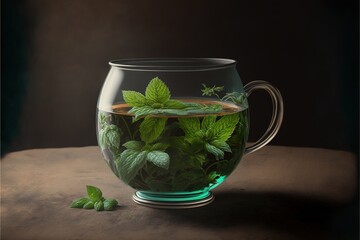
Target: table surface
{"points": [[275, 193]]}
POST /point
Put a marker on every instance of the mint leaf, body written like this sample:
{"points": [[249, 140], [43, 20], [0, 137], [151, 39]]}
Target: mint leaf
{"points": [[89, 205], [174, 104], [157, 91], [198, 159], [218, 153], [160, 159], [99, 206], [109, 136], [151, 128], [208, 122], [101, 118], [130, 163], [221, 145], [177, 112], [113, 135], [109, 204], [204, 109], [190, 126], [94, 193], [209, 91], [212, 176], [159, 146], [133, 98], [141, 111], [134, 145], [79, 203], [223, 128]]}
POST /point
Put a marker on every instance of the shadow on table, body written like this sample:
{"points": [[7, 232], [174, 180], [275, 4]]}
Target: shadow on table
{"points": [[307, 217]]}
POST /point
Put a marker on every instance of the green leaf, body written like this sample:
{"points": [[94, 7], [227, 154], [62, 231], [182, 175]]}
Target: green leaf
{"points": [[94, 193], [109, 136], [102, 138], [114, 136], [174, 104], [212, 176], [134, 145], [157, 91], [223, 128], [140, 112], [208, 122], [176, 112], [206, 109], [159, 146], [133, 98], [130, 163], [190, 126], [199, 159], [101, 118], [178, 142], [218, 153], [99, 206], [221, 145], [89, 205], [160, 159], [79, 203], [151, 128], [109, 204]]}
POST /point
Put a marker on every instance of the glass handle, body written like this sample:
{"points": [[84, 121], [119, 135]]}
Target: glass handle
{"points": [[277, 114]]}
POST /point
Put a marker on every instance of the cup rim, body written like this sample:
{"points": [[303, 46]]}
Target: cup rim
{"points": [[172, 64]]}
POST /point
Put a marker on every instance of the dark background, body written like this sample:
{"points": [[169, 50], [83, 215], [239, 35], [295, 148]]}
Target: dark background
{"points": [[55, 54]]}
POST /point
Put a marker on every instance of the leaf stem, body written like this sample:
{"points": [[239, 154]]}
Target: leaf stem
{"points": [[127, 127]]}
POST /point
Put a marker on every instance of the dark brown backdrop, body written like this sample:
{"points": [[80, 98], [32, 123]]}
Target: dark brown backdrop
{"points": [[55, 54]]}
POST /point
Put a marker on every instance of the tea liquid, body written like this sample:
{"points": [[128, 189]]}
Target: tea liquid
{"points": [[193, 152]]}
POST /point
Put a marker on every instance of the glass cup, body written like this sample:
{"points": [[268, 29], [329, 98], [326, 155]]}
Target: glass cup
{"points": [[174, 129]]}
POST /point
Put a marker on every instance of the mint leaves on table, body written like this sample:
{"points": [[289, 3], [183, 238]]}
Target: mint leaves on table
{"points": [[157, 101], [94, 200]]}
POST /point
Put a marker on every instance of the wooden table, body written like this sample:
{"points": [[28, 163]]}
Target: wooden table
{"points": [[275, 193]]}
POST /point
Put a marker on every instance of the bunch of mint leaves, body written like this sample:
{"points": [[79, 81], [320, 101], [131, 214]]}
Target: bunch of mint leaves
{"points": [[94, 200], [183, 153], [157, 101]]}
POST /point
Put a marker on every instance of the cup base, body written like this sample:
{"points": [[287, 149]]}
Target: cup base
{"points": [[173, 201]]}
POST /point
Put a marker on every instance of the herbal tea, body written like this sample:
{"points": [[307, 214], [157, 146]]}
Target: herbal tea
{"points": [[155, 143], [170, 153]]}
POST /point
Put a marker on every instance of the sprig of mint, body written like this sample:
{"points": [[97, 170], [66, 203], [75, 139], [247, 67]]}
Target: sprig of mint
{"points": [[94, 200], [238, 98], [210, 134], [209, 91], [137, 154], [157, 101]]}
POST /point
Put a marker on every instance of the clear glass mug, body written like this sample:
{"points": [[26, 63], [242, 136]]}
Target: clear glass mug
{"points": [[174, 129]]}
